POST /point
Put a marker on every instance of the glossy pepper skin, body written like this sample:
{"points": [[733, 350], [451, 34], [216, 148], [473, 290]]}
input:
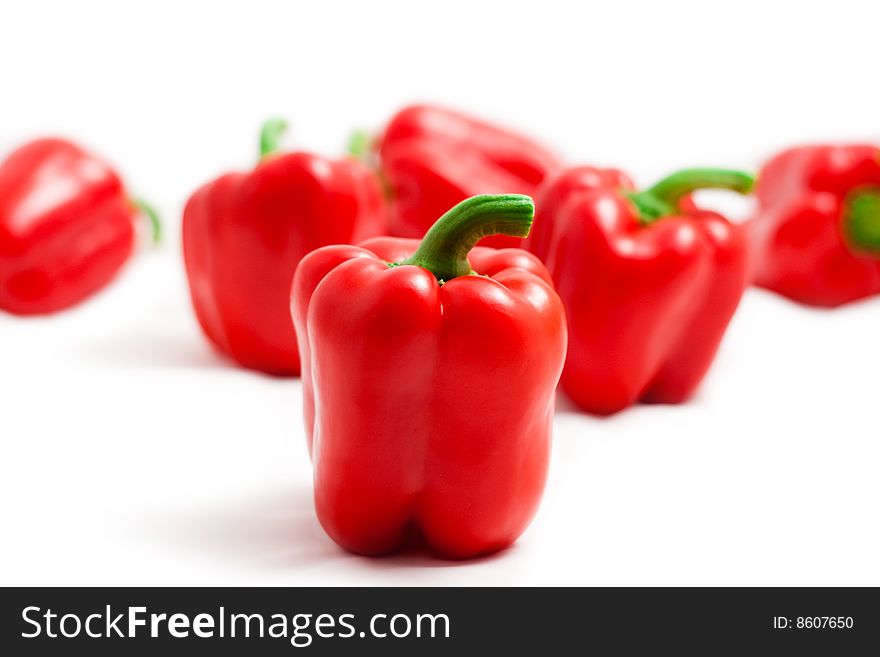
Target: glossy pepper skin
{"points": [[649, 281], [244, 234], [66, 226], [432, 158], [816, 236], [428, 404]]}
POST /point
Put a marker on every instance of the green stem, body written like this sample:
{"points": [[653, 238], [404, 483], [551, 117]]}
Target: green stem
{"points": [[663, 198], [445, 247], [153, 216], [861, 219], [359, 144], [270, 136]]}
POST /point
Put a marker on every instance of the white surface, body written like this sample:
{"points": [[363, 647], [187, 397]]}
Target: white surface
{"points": [[131, 454]]}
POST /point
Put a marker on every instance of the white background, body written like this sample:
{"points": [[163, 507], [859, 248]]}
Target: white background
{"points": [[132, 454]]}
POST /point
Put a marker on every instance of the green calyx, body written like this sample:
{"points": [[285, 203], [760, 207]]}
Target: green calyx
{"points": [[445, 247], [153, 216], [662, 200], [359, 144], [861, 220], [270, 136]]}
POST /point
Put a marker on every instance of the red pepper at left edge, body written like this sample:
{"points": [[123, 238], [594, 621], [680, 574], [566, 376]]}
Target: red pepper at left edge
{"points": [[428, 376], [649, 281], [244, 234], [66, 226]]}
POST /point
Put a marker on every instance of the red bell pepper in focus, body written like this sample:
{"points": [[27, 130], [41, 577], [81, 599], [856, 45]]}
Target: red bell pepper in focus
{"points": [[649, 281], [429, 385], [244, 234], [66, 226], [816, 235], [433, 158]]}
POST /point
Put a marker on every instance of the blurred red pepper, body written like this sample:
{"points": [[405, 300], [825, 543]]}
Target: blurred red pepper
{"points": [[816, 235], [66, 226], [433, 158], [429, 389], [649, 281], [244, 234]]}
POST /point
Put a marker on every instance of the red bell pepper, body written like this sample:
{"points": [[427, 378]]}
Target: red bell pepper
{"points": [[244, 234], [66, 226], [816, 235], [429, 383], [433, 158], [649, 281]]}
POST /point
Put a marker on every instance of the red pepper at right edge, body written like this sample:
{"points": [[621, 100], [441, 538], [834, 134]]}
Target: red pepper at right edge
{"points": [[816, 237], [649, 281]]}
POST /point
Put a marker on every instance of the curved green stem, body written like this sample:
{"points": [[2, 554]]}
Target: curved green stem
{"points": [[445, 247], [861, 219], [153, 216], [270, 135], [359, 144], [663, 198]]}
